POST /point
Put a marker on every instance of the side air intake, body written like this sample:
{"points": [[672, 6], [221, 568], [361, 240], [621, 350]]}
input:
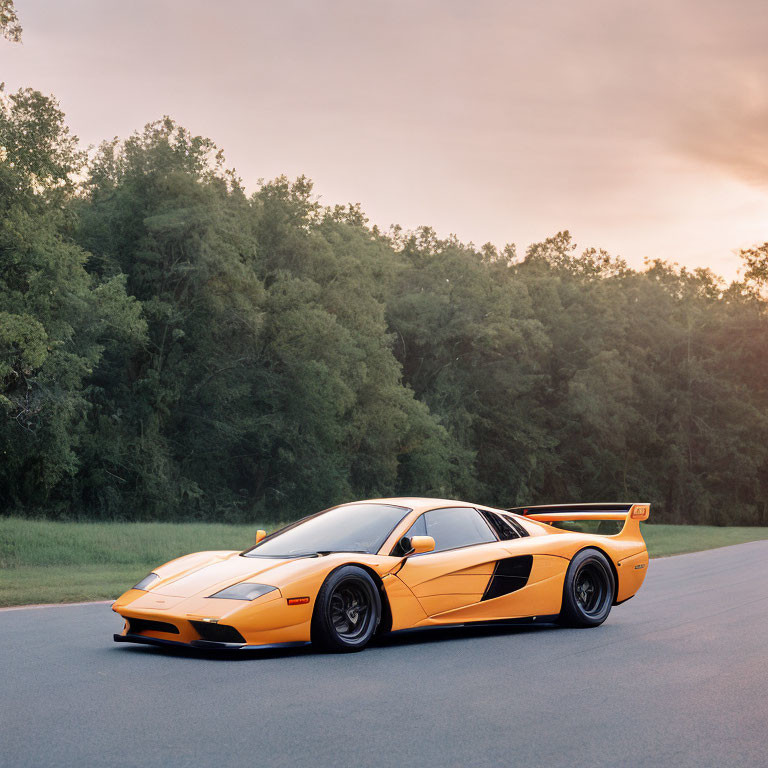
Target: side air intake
{"points": [[509, 575]]}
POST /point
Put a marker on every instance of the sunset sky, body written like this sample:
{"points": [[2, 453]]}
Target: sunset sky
{"points": [[642, 127]]}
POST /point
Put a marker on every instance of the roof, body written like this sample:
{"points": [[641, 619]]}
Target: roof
{"points": [[421, 503]]}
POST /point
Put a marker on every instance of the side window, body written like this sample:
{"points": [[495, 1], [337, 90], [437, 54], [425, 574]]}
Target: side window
{"points": [[505, 527], [457, 527], [419, 528]]}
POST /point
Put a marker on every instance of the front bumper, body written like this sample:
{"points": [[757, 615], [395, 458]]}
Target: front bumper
{"points": [[207, 645], [210, 623]]}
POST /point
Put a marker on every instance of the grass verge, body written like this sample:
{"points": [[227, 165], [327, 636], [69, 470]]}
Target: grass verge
{"points": [[664, 540], [51, 562]]}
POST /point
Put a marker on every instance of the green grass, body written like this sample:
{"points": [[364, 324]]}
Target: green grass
{"points": [[50, 562], [664, 540]]}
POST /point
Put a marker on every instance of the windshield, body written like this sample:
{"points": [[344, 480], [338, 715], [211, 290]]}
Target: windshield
{"points": [[351, 528]]}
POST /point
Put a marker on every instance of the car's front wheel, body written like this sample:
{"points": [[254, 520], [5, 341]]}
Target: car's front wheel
{"points": [[347, 610], [589, 590]]}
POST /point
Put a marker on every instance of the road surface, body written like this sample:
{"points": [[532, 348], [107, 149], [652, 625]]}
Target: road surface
{"points": [[677, 676]]}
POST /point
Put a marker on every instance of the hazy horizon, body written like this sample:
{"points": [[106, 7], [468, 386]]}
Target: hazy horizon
{"points": [[641, 129]]}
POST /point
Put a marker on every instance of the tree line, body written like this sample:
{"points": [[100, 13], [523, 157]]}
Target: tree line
{"points": [[174, 348]]}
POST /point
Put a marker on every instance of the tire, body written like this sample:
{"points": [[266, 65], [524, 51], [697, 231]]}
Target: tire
{"points": [[589, 590], [347, 611]]}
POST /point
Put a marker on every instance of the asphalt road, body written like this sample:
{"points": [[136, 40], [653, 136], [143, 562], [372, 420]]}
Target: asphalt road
{"points": [[677, 676]]}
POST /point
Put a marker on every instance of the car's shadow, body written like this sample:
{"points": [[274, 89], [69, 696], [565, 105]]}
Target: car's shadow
{"points": [[405, 637], [453, 633]]}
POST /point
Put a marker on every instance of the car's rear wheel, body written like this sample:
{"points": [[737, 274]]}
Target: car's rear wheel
{"points": [[347, 610], [589, 590]]}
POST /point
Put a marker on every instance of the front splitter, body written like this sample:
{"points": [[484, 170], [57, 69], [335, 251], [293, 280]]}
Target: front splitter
{"points": [[208, 645]]}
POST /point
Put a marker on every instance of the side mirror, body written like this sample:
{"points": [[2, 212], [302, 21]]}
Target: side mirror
{"points": [[421, 544], [260, 534]]}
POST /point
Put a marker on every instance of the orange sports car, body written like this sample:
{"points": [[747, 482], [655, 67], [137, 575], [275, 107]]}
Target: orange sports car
{"points": [[341, 576]]}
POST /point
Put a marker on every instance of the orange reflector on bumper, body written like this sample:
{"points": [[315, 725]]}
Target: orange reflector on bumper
{"points": [[298, 600]]}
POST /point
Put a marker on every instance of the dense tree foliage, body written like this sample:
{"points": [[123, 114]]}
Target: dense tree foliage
{"points": [[173, 348], [10, 28]]}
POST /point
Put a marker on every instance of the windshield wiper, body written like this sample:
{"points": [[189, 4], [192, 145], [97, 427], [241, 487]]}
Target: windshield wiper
{"points": [[318, 553], [298, 554], [334, 551], [323, 552]]}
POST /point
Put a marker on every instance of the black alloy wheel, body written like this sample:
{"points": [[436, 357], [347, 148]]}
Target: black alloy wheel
{"points": [[347, 610], [589, 590]]}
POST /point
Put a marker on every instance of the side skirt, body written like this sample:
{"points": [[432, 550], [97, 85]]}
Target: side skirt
{"points": [[549, 619], [526, 621]]}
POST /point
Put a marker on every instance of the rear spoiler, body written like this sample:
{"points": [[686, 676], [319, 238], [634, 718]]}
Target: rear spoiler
{"points": [[632, 513]]}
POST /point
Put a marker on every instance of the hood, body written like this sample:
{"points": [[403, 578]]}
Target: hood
{"points": [[212, 577]]}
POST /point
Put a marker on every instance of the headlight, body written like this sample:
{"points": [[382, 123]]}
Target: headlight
{"points": [[145, 583], [244, 591]]}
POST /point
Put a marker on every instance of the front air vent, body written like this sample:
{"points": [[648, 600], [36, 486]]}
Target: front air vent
{"points": [[217, 633], [139, 626]]}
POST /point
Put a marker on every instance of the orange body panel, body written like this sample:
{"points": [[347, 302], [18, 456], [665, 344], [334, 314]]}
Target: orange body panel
{"points": [[431, 588]]}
